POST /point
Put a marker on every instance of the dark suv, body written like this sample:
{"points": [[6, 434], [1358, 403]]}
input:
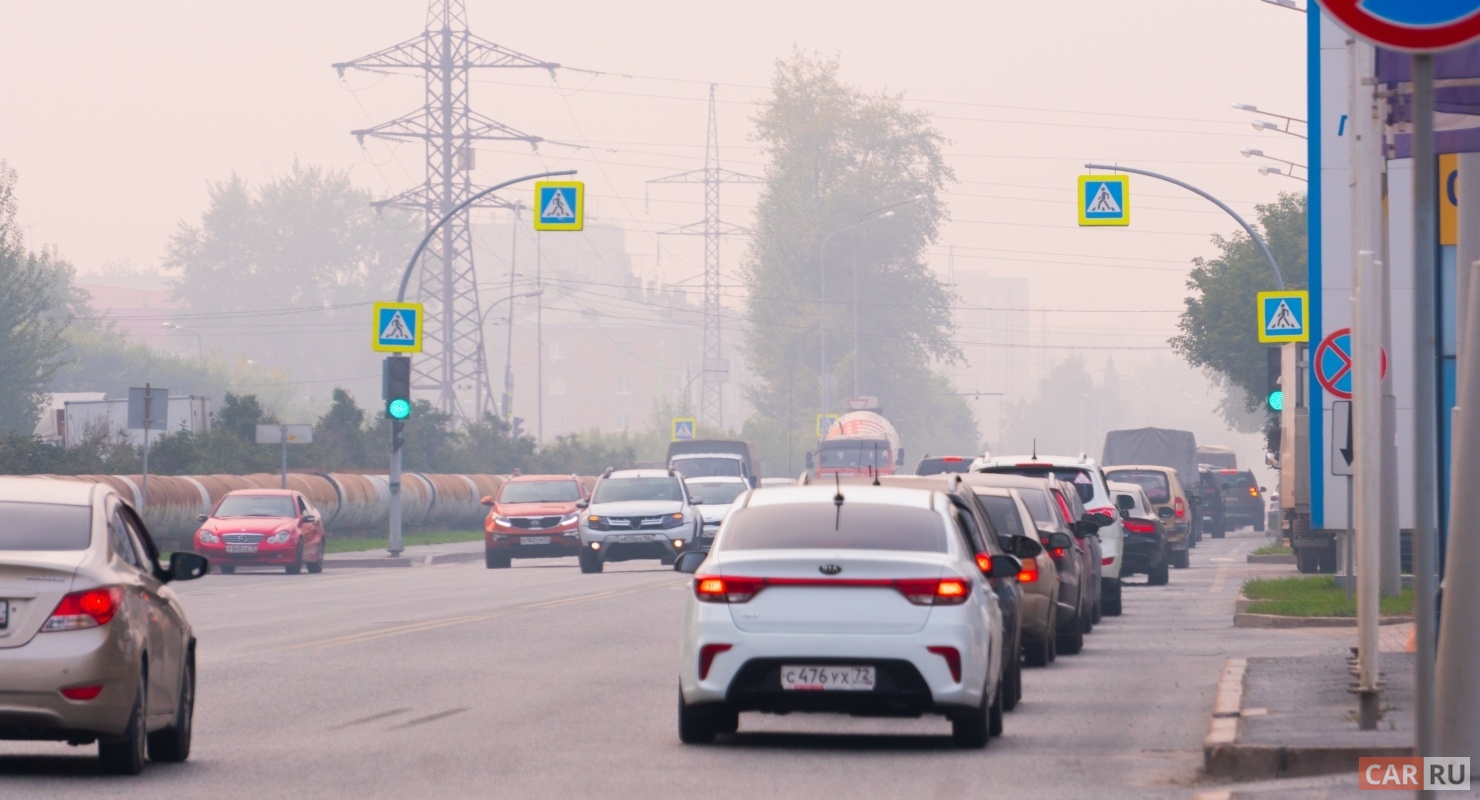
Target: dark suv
{"points": [[1208, 517], [1243, 498]]}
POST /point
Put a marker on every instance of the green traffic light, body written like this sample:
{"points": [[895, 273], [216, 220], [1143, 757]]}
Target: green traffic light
{"points": [[1277, 400], [399, 408]]}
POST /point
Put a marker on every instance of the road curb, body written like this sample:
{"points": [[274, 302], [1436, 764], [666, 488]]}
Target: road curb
{"points": [[452, 558], [1271, 559], [1224, 756], [1246, 620], [365, 563]]}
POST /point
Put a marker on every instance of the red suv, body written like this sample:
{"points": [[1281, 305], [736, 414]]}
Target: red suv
{"points": [[533, 516], [262, 528]]}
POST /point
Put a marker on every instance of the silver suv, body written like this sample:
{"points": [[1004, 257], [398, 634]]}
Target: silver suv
{"points": [[635, 514]]}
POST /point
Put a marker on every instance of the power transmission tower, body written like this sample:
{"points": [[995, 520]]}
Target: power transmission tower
{"points": [[446, 52], [715, 368]]}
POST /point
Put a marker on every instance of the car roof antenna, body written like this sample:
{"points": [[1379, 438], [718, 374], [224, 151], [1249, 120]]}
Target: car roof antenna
{"points": [[1035, 448], [874, 470], [838, 501]]}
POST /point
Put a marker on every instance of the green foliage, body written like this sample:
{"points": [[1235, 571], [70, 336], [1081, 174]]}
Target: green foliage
{"points": [[835, 155], [1218, 325], [36, 302], [1314, 596], [588, 454]]}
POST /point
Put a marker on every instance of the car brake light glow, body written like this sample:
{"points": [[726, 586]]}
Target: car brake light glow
{"points": [[1108, 560], [1139, 526], [82, 692], [1057, 553], [1253, 492], [984, 563], [1227, 472], [706, 657], [1029, 572], [1105, 512], [951, 459], [86, 609], [953, 660], [920, 591], [1181, 508]]}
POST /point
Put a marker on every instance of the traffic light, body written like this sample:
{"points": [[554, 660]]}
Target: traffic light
{"points": [[1274, 392], [396, 386], [518, 427]]}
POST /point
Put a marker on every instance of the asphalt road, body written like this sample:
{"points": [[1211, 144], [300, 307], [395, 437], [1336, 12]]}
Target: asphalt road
{"points": [[456, 681]]}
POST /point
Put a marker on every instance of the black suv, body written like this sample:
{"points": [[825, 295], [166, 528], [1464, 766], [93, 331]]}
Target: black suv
{"points": [[1243, 498], [1208, 516]]}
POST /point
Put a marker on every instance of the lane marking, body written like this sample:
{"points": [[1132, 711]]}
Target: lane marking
{"points": [[1218, 579], [428, 718]]}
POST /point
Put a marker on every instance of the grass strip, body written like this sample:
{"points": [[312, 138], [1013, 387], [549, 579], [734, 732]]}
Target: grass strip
{"points": [[1274, 550], [407, 539], [1314, 596]]}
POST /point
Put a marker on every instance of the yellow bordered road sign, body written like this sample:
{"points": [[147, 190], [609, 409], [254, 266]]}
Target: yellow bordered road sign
{"points": [[397, 327], [824, 424], [1284, 316], [559, 205], [683, 429], [1104, 200]]}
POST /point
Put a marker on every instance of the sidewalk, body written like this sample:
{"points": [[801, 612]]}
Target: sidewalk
{"points": [[1296, 716], [416, 556]]}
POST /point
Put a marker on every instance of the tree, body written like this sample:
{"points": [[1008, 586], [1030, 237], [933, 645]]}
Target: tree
{"points": [[339, 435], [37, 301], [836, 154], [308, 240], [1218, 330]]}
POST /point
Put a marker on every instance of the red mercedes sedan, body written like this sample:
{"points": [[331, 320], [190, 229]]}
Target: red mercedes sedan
{"points": [[263, 528], [533, 516]]}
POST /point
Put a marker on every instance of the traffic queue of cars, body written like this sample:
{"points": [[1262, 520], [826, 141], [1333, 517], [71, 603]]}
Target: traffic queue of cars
{"points": [[908, 595]]}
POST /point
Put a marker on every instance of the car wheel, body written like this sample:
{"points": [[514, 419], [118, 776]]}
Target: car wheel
{"points": [[1327, 559], [1180, 559], [1053, 648], [173, 743], [590, 563], [994, 715], [1014, 680], [317, 566], [494, 560], [1112, 599], [297, 565], [1073, 641], [727, 721], [973, 728], [126, 756], [1259, 524], [1035, 652], [696, 724], [667, 561], [1159, 575], [228, 569], [1094, 617]]}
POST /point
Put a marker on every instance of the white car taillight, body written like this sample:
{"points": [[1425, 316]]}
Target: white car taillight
{"points": [[85, 609]]}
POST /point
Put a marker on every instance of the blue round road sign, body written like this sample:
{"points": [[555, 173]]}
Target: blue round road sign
{"points": [[1417, 26], [1333, 363]]}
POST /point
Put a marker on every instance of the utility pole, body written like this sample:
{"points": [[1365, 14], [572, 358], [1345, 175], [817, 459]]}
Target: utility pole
{"points": [[445, 53], [715, 368]]}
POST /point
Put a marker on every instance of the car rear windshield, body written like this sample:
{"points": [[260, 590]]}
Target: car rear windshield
{"points": [[1241, 481], [1037, 502], [246, 505], [1004, 515], [855, 526], [540, 492], [938, 466], [855, 453], [617, 490], [1078, 477], [1158, 488], [716, 494], [708, 467], [41, 526]]}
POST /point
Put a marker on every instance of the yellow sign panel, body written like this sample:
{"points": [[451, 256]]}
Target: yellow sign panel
{"points": [[1449, 199], [396, 327], [824, 424], [1284, 316], [1104, 200], [559, 205], [683, 429]]}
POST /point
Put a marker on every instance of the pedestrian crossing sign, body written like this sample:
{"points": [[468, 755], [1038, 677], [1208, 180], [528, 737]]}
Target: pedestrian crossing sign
{"points": [[1104, 200], [1283, 316], [683, 428], [825, 423], [396, 327], [559, 205]]}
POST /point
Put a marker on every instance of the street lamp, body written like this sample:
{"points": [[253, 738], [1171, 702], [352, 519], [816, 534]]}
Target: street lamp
{"points": [[1290, 4], [509, 350], [1248, 152], [200, 349], [1266, 125], [822, 292]]}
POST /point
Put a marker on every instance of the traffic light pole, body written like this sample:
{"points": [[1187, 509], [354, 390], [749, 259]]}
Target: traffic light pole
{"points": [[393, 544]]}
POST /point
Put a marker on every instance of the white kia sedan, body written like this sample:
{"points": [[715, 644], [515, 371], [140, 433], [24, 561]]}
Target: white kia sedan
{"points": [[862, 600]]}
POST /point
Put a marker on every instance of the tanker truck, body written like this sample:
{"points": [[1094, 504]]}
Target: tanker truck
{"points": [[859, 443]]}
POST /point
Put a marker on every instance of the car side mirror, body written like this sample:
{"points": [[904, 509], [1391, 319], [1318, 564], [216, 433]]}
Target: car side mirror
{"points": [[1100, 520], [1060, 541], [688, 563], [583, 503], [1262, 489], [1085, 528], [696, 501], [1025, 547], [202, 517], [1164, 512], [1005, 566], [310, 518], [1125, 502], [187, 566], [487, 500]]}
